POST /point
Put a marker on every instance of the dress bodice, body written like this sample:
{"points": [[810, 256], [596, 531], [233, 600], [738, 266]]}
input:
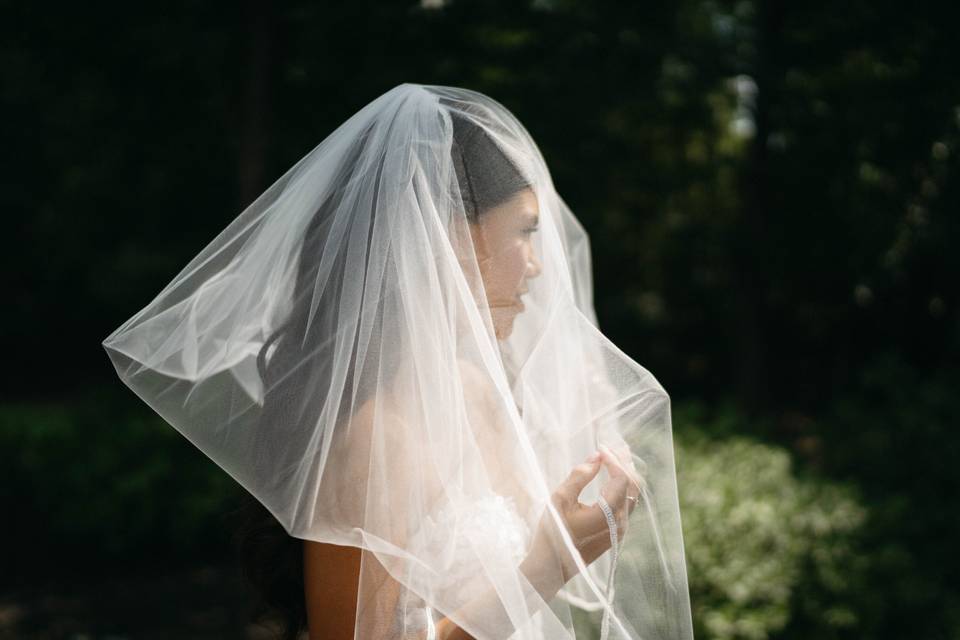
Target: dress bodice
{"points": [[488, 528]]}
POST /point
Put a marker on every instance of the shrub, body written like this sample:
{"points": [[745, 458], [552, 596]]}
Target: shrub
{"points": [[761, 540]]}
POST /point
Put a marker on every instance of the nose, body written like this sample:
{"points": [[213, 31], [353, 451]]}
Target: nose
{"points": [[533, 265]]}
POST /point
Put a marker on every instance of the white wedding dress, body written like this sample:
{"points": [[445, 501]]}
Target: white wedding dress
{"points": [[496, 530]]}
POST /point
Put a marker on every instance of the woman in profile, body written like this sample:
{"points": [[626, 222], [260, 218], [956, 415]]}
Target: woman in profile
{"points": [[394, 351]]}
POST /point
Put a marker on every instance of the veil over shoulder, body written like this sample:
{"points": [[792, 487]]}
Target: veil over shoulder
{"points": [[360, 350]]}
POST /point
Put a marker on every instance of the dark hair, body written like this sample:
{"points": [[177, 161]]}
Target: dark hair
{"points": [[485, 175], [271, 559]]}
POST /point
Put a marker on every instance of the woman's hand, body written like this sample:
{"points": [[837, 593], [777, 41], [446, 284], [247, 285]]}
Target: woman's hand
{"points": [[549, 560], [549, 564]]}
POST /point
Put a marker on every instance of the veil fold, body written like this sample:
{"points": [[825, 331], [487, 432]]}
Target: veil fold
{"points": [[395, 348]]}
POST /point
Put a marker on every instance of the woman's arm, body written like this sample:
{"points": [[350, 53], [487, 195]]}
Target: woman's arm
{"points": [[331, 578]]}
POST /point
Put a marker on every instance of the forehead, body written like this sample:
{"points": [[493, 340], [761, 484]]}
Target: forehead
{"points": [[521, 208]]}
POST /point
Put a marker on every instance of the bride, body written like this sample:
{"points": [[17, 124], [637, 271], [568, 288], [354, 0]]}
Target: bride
{"points": [[394, 351]]}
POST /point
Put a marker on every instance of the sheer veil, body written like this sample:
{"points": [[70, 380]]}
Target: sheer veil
{"points": [[394, 348]]}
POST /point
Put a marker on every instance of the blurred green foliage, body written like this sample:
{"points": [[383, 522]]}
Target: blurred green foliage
{"points": [[762, 540], [99, 487]]}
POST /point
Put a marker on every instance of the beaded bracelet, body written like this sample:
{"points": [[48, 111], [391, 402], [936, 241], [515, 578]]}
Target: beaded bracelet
{"points": [[615, 550]]}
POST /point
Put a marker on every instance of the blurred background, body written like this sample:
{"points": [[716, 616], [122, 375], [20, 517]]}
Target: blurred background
{"points": [[772, 193]]}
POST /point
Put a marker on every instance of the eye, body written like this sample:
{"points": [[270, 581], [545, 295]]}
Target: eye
{"points": [[530, 230]]}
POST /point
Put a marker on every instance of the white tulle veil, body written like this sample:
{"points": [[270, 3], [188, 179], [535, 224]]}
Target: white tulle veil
{"points": [[352, 351]]}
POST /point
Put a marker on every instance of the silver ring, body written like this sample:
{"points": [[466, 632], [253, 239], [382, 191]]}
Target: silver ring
{"points": [[633, 498]]}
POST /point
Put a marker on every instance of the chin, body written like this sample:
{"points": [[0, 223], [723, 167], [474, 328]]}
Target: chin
{"points": [[503, 326]]}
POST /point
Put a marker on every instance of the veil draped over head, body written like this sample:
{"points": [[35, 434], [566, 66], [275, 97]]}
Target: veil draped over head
{"points": [[395, 348]]}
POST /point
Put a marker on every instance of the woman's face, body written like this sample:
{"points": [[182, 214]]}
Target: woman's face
{"points": [[503, 244]]}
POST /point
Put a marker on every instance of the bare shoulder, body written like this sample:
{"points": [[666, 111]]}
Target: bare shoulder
{"points": [[477, 383], [375, 420]]}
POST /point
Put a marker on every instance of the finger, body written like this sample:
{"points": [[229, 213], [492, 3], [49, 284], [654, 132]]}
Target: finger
{"points": [[630, 460], [638, 467], [624, 487], [580, 476], [615, 489], [622, 452], [622, 460]]}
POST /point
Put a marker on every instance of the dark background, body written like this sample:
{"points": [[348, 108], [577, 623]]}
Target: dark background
{"points": [[772, 194]]}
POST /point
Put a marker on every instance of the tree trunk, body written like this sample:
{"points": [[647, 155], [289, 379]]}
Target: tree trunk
{"points": [[261, 32]]}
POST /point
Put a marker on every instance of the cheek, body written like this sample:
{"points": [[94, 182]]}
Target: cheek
{"points": [[512, 265]]}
